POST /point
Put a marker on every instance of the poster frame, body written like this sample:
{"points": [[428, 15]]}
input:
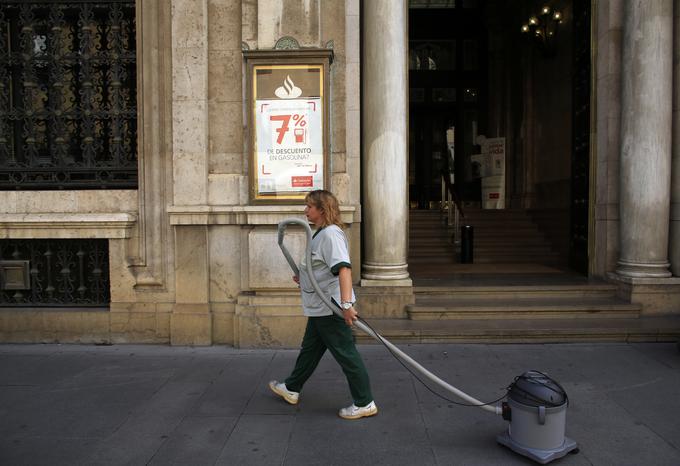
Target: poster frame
{"points": [[278, 58]]}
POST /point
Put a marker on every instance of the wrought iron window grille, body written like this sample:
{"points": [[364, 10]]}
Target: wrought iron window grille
{"points": [[61, 273], [68, 97]]}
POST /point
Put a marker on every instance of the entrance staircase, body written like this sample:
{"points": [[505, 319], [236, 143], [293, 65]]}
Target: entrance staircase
{"points": [[526, 313], [500, 236], [516, 291]]}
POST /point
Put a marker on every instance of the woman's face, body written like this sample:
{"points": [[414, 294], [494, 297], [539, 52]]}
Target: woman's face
{"points": [[314, 214]]}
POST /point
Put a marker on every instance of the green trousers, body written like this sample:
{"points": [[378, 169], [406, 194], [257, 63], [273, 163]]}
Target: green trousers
{"points": [[332, 333]]}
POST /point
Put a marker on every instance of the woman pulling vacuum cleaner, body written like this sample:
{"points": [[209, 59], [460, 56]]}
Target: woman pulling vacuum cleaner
{"points": [[326, 330], [536, 404]]}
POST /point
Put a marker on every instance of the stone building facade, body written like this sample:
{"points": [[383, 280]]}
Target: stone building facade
{"points": [[193, 261]]}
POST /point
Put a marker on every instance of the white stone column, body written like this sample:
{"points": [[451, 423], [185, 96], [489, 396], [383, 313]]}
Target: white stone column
{"points": [[646, 138], [385, 142], [674, 245]]}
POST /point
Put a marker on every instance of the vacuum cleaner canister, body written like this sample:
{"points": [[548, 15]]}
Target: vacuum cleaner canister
{"points": [[537, 411]]}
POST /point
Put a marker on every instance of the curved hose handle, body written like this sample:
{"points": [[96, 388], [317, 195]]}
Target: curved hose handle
{"points": [[308, 262], [403, 356]]}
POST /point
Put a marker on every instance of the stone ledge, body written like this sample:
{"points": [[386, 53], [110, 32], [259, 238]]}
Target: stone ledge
{"points": [[245, 215], [662, 281], [67, 225]]}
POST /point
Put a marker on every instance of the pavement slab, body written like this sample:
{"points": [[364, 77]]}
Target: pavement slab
{"points": [[162, 405]]}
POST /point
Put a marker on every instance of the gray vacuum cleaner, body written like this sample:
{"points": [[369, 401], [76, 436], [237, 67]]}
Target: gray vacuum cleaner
{"points": [[535, 406]]}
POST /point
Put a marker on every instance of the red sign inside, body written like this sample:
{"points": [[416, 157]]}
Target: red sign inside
{"points": [[302, 181], [494, 195]]}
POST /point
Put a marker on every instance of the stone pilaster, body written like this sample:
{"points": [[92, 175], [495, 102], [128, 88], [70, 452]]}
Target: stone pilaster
{"points": [[385, 143], [190, 322], [646, 139], [674, 245]]}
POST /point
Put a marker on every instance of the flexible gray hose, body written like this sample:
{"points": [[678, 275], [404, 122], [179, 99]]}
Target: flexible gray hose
{"points": [[396, 351]]}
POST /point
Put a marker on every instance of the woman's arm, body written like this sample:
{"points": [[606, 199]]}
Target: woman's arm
{"points": [[345, 278]]}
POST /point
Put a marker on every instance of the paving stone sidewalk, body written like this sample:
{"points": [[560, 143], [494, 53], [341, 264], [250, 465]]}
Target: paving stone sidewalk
{"points": [[160, 405]]}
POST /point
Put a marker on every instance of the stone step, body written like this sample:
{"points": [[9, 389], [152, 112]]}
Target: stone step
{"points": [[506, 292], [496, 234], [553, 259], [483, 248], [642, 329], [522, 308]]}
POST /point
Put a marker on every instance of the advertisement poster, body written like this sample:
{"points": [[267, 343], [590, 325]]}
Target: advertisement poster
{"points": [[289, 130]]}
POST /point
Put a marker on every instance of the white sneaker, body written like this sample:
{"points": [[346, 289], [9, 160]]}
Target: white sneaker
{"points": [[280, 389], [355, 412]]}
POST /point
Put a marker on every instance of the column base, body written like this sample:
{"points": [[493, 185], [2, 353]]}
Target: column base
{"points": [[379, 301], [385, 272], [657, 296], [643, 269]]}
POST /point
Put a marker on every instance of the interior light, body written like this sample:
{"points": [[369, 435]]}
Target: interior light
{"points": [[546, 10]]}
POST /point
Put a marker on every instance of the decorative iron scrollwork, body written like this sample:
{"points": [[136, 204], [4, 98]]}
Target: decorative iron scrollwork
{"points": [[68, 95], [63, 273]]}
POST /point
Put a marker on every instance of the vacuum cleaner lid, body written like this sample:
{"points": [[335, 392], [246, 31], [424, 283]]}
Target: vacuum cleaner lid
{"points": [[533, 388]]}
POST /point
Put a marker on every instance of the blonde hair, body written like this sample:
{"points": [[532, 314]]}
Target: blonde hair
{"points": [[328, 204]]}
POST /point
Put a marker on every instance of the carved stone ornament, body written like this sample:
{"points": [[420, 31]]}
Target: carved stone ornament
{"points": [[287, 43]]}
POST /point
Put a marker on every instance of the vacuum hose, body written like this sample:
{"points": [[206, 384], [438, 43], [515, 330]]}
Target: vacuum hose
{"points": [[396, 351]]}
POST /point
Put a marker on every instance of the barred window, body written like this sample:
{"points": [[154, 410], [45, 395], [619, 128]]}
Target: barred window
{"points": [[68, 110], [58, 272]]}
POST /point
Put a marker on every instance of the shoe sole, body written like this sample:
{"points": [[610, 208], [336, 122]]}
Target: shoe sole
{"points": [[359, 416], [283, 395]]}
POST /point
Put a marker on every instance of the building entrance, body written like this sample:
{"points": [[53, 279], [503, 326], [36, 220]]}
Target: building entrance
{"points": [[499, 105]]}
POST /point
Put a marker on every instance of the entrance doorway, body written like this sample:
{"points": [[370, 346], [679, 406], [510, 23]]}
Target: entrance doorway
{"points": [[475, 77], [447, 80]]}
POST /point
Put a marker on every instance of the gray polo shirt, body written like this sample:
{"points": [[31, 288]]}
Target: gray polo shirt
{"points": [[330, 252]]}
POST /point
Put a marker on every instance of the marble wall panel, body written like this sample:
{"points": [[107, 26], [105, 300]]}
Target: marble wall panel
{"points": [[122, 281], [267, 265], [352, 39], [353, 84], [249, 22], [46, 201], [189, 24], [190, 180], [332, 25], [225, 69], [114, 200], [340, 185], [226, 127], [191, 264], [230, 162], [8, 202], [278, 18], [224, 189], [224, 24], [225, 263], [189, 74], [339, 162], [190, 127]]}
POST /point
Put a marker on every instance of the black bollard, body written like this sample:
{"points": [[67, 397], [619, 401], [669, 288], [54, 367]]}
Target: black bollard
{"points": [[467, 236]]}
